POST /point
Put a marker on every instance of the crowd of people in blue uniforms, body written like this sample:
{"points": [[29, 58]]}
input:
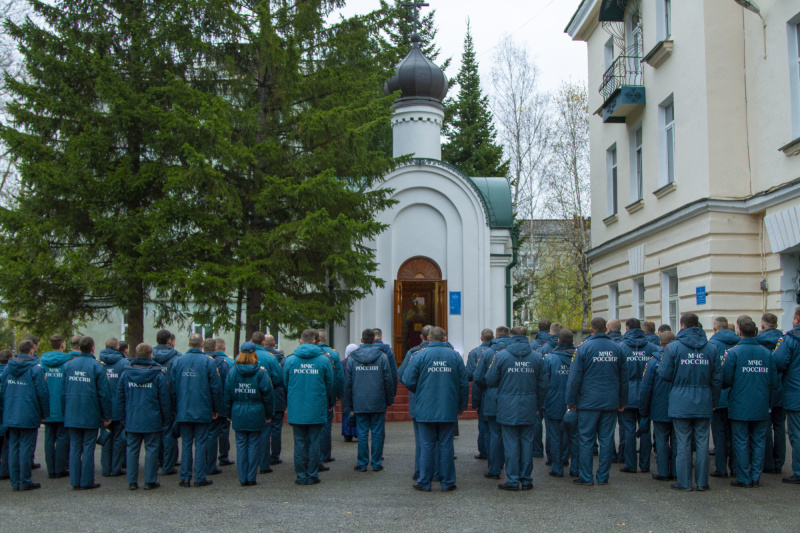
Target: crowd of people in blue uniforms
{"points": [[667, 392]]}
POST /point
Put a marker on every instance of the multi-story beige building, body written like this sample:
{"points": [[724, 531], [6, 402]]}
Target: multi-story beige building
{"points": [[695, 156]]}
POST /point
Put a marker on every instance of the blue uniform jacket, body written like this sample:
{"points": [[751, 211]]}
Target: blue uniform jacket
{"points": [[638, 353], [228, 360], [114, 361], [390, 357], [53, 365], [693, 367], [338, 372], [749, 370], [549, 346], [166, 357], [520, 377], [724, 340], [368, 381], [222, 369], [540, 338], [598, 375], [308, 376], [654, 394], [269, 362], [488, 394], [249, 398], [142, 398], [278, 355], [439, 378], [557, 365], [472, 364], [24, 394], [769, 339], [653, 339], [412, 398], [85, 397], [615, 335], [195, 387], [787, 361]]}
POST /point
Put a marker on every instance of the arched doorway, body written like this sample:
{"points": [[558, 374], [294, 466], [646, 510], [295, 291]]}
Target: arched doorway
{"points": [[420, 298]]}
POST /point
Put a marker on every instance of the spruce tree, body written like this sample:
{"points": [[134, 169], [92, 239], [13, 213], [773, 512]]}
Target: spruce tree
{"points": [[119, 155], [398, 28], [471, 135]]}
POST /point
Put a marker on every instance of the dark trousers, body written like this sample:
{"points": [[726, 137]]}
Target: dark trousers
{"points": [[433, 435], [306, 451], [263, 452], [619, 454], [4, 457], [721, 432], [538, 447], [56, 447], [247, 448], [749, 439], [21, 442], [563, 446], [276, 427], [112, 456], [197, 434], [370, 423], [483, 430], [169, 449], [214, 432], [793, 428], [81, 456], [596, 425], [151, 444], [496, 453], [688, 432], [666, 451], [775, 450], [518, 446], [325, 446], [631, 419], [225, 440]]}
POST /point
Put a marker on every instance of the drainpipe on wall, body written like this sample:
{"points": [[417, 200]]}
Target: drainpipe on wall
{"points": [[512, 264]]}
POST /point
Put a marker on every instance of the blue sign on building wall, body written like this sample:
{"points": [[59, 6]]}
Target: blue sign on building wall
{"points": [[455, 303], [700, 292]]}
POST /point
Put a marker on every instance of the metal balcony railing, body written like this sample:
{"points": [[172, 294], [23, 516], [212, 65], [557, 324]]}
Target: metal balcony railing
{"points": [[625, 70]]}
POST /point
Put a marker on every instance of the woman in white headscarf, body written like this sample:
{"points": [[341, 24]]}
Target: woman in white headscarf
{"points": [[349, 432]]}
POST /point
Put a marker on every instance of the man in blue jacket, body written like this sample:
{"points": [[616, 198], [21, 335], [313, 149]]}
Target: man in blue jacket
{"points": [[563, 445], [338, 386], [87, 407], [638, 352], [210, 349], [225, 431], [654, 406], [775, 450], [538, 444], [649, 329], [749, 371], [308, 377], [165, 355], [489, 403], [276, 423], [25, 404], [438, 377], [412, 398], [5, 357], [269, 362], [472, 363], [787, 361], [552, 342], [368, 392], [143, 402], [112, 458], [520, 377], [542, 336], [692, 365], [598, 388], [723, 339], [56, 436], [196, 392], [385, 348]]}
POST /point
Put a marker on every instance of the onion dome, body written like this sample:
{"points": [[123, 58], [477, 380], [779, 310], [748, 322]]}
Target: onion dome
{"points": [[417, 76]]}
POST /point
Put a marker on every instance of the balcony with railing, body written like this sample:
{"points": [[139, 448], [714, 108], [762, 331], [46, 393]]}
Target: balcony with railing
{"points": [[622, 88]]}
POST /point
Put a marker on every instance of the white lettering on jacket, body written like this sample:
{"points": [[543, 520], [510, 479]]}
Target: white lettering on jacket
{"points": [[370, 367], [148, 385], [306, 368], [244, 388], [605, 357]]}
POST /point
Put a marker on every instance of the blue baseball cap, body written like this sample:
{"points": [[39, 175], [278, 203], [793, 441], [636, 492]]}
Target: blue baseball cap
{"points": [[248, 347]]}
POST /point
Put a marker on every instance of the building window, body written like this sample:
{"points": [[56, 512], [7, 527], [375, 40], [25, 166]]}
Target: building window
{"points": [[667, 21], [608, 53], [613, 301], [611, 162], [637, 164], [638, 295], [667, 141], [670, 311], [205, 331], [794, 70]]}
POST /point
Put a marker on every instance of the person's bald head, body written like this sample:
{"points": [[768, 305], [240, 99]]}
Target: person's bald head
{"points": [[269, 341], [613, 325]]}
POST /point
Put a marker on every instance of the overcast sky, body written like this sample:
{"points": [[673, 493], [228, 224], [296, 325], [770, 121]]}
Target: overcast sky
{"points": [[537, 23]]}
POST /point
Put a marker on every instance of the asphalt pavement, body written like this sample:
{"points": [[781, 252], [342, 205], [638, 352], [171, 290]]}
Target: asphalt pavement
{"points": [[385, 501]]}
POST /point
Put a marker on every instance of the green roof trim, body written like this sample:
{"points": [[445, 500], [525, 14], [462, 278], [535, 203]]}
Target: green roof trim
{"points": [[495, 193]]}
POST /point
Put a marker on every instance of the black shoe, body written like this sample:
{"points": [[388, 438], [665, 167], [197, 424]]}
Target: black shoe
{"points": [[660, 478], [92, 486], [378, 468], [314, 481], [32, 486], [553, 474], [579, 481], [574, 474], [275, 462], [62, 474], [793, 479], [646, 471], [703, 488], [507, 486], [329, 460], [413, 477], [215, 472], [298, 482], [548, 463], [204, 483], [34, 466], [151, 486], [756, 484], [245, 484], [51, 476], [451, 488], [323, 468], [479, 456], [487, 475], [73, 488], [170, 472], [527, 487], [627, 470], [737, 483], [360, 468], [675, 486], [602, 482], [133, 486], [226, 462], [717, 473], [252, 483], [415, 486], [185, 483], [5, 477], [267, 471]]}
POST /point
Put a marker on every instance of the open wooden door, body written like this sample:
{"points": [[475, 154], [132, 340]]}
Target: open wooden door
{"points": [[397, 333], [442, 304]]}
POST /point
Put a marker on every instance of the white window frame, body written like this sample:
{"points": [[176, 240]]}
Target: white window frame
{"points": [[201, 329], [613, 301], [637, 163], [612, 179], [666, 140], [793, 38], [608, 54], [667, 298], [638, 298], [663, 20]]}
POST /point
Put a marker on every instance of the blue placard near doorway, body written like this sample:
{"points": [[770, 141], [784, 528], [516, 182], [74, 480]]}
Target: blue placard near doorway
{"points": [[700, 293], [455, 303]]}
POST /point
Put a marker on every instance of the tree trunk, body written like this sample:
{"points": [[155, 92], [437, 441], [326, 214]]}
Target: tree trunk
{"points": [[135, 330], [252, 323], [238, 333]]}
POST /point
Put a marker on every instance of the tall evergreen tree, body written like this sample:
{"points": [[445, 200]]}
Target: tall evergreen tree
{"points": [[471, 136], [119, 153], [398, 28]]}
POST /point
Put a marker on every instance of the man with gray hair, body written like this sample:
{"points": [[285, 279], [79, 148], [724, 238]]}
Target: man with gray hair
{"points": [[196, 392]]}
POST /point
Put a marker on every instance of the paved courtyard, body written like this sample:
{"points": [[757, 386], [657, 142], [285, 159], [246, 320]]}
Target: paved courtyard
{"points": [[385, 501]]}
